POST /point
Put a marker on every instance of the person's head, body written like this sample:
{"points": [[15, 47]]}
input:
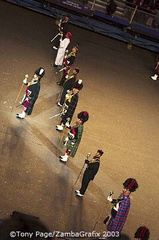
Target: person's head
{"points": [[130, 185], [142, 233], [78, 85], [67, 18], [83, 116], [39, 73], [99, 153], [75, 71], [68, 35], [74, 49]]}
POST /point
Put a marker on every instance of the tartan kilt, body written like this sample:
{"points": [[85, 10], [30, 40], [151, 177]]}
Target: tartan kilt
{"points": [[73, 148]]}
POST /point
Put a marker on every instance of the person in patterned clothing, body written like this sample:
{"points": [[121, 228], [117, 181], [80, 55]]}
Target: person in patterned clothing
{"points": [[121, 207], [74, 136], [31, 93], [69, 106], [142, 233]]}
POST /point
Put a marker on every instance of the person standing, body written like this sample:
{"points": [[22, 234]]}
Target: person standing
{"points": [[142, 233], [121, 207], [74, 136], [63, 28], [68, 63], [31, 93], [90, 172], [68, 85], [69, 106], [61, 51]]}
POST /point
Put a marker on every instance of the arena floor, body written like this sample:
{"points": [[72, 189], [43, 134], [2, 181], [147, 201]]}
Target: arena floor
{"points": [[122, 102]]}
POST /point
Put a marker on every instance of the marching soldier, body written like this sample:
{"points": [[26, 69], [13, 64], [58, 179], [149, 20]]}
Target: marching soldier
{"points": [[69, 106], [121, 207], [74, 136], [90, 172], [31, 93]]}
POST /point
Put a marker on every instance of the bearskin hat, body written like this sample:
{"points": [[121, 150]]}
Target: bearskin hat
{"points": [[40, 72], [130, 184], [100, 152], [77, 69], [83, 116], [142, 233], [78, 84]]}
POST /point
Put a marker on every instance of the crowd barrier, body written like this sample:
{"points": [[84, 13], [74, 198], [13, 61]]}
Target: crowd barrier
{"points": [[99, 22]]}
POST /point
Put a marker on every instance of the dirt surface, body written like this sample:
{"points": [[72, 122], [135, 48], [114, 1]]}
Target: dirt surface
{"points": [[124, 117]]}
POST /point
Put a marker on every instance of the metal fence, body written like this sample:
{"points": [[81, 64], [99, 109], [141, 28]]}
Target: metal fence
{"points": [[132, 13]]}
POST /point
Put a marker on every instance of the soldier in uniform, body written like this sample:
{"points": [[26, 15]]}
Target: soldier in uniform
{"points": [[31, 93], [63, 28], [90, 172], [68, 85], [68, 63], [69, 106], [142, 233], [74, 136], [61, 51], [121, 207]]}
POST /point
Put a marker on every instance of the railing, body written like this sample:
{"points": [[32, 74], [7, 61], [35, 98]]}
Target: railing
{"points": [[131, 12]]}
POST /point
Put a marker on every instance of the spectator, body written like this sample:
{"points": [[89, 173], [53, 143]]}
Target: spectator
{"points": [[111, 7]]}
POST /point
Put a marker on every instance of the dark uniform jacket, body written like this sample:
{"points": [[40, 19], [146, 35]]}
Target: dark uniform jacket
{"points": [[92, 168]]}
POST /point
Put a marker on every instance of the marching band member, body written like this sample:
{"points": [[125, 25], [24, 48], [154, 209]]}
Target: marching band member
{"points": [[121, 207], [74, 136], [69, 106], [68, 85], [63, 27], [68, 64], [90, 172], [61, 51], [142, 233], [31, 93]]}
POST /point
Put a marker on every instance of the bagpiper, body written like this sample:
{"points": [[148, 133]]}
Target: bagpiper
{"points": [[74, 136], [31, 92], [121, 207]]}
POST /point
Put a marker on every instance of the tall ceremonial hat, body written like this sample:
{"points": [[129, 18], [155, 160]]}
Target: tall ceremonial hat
{"points": [[69, 34], [130, 184], [78, 84], [142, 233], [40, 72], [77, 69], [83, 116], [100, 152]]}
